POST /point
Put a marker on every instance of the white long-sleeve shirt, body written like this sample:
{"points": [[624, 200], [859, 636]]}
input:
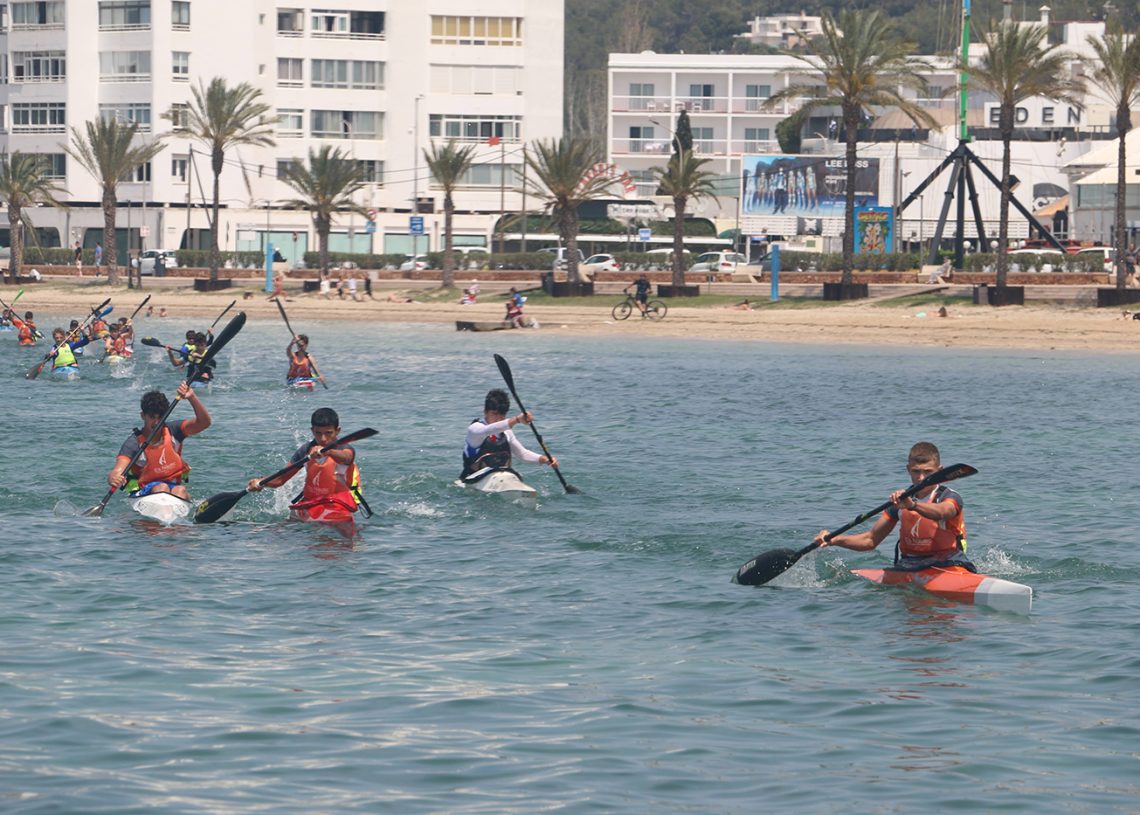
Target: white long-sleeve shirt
{"points": [[478, 431]]}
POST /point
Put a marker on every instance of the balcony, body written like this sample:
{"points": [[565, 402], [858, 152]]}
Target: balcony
{"points": [[663, 147], [639, 104], [749, 147]]}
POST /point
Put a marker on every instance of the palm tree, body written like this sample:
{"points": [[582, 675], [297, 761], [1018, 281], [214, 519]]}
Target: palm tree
{"points": [[1117, 74], [447, 165], [107, 151], [24, 183], [562, 180], [684, 181], [326, 186], [1019, 64], [858, 63], [221, 117]]}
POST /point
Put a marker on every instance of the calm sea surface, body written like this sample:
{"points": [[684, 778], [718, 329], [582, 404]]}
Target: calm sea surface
{"points": [[466, 656]]}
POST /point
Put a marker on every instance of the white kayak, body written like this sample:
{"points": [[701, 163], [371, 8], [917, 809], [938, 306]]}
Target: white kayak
{"points": [[161, 506], [502, 482]]}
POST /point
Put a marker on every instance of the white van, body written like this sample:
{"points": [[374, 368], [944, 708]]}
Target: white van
{"points": [[558, 255]]}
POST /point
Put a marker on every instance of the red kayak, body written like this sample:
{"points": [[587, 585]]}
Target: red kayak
{"points": [[957, 583], [337, 510]]}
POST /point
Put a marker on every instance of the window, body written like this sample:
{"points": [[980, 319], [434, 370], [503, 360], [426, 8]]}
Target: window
{"points": [[38, 15], [490, 175], [289, 72], [289, 123], [703, 140], [754, 96], [124, 66], [357, 25], [346, 124], [124, 15], [638, 90], [180, 65], [371, 171], [54, 165], [290, 22], [476, 79], [756, 139], [474, 128], [343, 73], [179, 168], [284, 165], [641, 139], [127, 112], [180, 15], [449, 30], [39, 66], [39, 117], [139, 175], [179, 115], [329, 23]]}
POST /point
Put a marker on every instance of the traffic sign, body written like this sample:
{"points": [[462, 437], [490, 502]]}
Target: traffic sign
{"points": [[416, 225], [370, 227], [644, 233], [372, 215]]}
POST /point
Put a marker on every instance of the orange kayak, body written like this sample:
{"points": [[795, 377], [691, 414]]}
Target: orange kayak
{"points": [[956, 583], [335, 510]]}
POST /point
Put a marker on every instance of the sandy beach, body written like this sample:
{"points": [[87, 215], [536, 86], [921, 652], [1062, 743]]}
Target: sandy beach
{"points": [[879, 323]]}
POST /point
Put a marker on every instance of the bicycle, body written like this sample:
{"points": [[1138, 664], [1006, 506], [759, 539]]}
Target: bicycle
{"points": [[654, 309]]}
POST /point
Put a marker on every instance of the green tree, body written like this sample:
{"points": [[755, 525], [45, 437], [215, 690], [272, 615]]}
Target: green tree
{"points": [[857, 64], [1019, 64], [325, 186], [683, 180], [24, 184], [683, 137], [1117, 74], [447, 165], [106, 148], [221, 117], [562, 180]]}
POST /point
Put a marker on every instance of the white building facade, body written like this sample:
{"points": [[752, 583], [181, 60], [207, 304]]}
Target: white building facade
{"points": [[725, 97], [380, 79]]}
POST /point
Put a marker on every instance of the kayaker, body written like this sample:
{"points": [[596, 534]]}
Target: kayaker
{"points": [[331, 479], [933, 531], [27, 329], [490, 442], [190, 353], [63, 355], [301, 365], [74, 328], [161, 468]]}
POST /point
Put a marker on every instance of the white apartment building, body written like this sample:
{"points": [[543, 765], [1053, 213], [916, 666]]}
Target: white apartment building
{"points": [[380, 79], [725, 98], [782, 30]]}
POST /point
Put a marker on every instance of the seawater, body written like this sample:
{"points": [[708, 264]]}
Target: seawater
{"points": [[465, 656]]}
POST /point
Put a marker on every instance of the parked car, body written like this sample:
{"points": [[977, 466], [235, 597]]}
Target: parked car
{"points": [[558, 255], [718, 262], [419, 263], [1106, 253], [600, 263], [146, 261]]}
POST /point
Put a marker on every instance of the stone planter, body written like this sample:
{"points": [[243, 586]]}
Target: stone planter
{"points": [[563, 289], [985, 295], [1117, 297], [669, 290], [206, 284], [845, 291]]}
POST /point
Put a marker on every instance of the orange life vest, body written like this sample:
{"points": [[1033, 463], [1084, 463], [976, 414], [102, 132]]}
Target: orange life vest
{"points": [[99, 329], [27, 331], [920, 536], [326, 476], [163, 461], [119, 347], [300, 368]]}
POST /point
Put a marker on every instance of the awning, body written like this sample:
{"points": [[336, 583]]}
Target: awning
{"points": [[1052, 209]]}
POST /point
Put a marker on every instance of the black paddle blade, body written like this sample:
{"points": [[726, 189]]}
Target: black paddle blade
{"points": [[946, 474], [94, 512], [214, 507], [765, 567], [572, 490], [505, 370], [223, 337], [151, 341]]}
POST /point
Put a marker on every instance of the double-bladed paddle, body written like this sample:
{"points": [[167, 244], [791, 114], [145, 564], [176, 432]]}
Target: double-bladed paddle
{"points": [[100, 310], [768, 565], [227, 334], [316, 370], [134, 314], [505, 370], [7, 307], [213, 508], [223, 314], [154, 343]]}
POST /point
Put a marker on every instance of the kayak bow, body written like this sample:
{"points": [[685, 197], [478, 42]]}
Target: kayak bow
{"points": [[959, 584]]}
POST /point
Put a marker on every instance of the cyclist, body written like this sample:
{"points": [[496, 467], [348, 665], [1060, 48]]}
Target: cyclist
{"points": [[642, 295]]}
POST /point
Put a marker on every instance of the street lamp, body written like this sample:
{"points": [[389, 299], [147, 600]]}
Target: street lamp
{"points": [[415, 176], [672, 135]]}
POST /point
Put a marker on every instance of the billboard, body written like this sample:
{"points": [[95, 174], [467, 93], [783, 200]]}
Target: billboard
{"points": [[873, 228], [805, 186]]}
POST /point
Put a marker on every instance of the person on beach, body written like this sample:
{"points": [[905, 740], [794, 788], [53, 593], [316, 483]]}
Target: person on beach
{"points": [[490, 442], [278, 288], [331, 477], [26, 328], [301, 365], [161, 468], [515, 314], [643, 286], [63, 355], [352, 287], [325, 287], [933, 529]]}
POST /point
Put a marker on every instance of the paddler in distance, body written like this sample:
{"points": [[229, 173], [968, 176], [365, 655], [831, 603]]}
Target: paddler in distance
{"points": [[490, 442], [331, 478], [301, 364], [65, 351], [26, 327], [933, 531], [161, 467]]}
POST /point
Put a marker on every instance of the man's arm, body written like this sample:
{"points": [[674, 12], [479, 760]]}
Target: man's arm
{"points": [[862, 541], [201, 420]]}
